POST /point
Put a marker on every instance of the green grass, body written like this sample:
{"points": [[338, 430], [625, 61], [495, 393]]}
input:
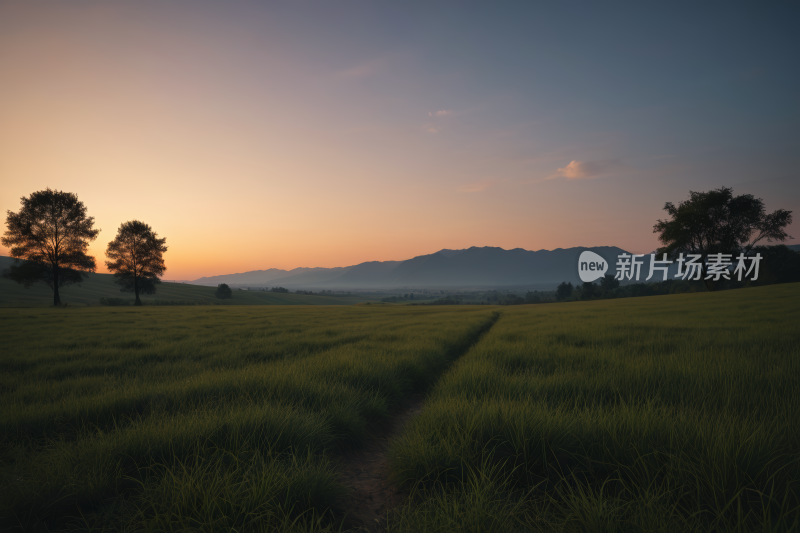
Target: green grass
{"points": [[667, 413], [672, 413], [204, 418]]}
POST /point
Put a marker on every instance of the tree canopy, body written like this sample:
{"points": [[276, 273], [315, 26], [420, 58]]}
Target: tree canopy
{"points": [[136, 258], [223, 291], [718, 222], [780, 265], [564, 290], [49, 237]]}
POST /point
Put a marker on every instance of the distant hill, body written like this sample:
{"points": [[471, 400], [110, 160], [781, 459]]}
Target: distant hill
{"points": [[306, 276], [476, 267], [496, 267], [254, 277], [102, 286]]}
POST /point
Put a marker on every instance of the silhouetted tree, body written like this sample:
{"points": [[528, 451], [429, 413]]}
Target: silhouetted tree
{"points": [[513, 299], [136, 258], [609, 283], [532, 297], [780, 264], [718, 222], [223, 291], [564, 291], [589, 291], [49, 238]]}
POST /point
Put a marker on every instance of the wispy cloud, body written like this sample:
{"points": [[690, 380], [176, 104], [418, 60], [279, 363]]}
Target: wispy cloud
{"points": [[582, 170], [433, 127]]}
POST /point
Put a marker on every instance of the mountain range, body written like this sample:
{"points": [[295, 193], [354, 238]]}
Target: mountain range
{"points": [[483, 267]]}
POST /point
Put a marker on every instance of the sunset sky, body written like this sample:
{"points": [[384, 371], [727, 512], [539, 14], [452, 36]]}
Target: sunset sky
{"points": [[285, 134]]}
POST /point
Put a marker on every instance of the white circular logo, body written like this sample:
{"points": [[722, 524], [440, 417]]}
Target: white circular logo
{"points": [[591, 266]]}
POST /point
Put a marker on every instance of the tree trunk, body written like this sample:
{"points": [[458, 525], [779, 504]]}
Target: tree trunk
{"points": [[136, 291], [56, 296]]}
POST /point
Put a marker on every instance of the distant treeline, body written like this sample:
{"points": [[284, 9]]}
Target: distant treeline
{"points": [[298, 291], [395, 299], [121, 302], [487, 298]]}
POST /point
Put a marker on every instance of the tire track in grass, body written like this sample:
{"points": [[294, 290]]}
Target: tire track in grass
{"points": [[365, 471]]}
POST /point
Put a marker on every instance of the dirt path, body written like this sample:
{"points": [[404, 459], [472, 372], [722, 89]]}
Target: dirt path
{"points": [[366, 470]]}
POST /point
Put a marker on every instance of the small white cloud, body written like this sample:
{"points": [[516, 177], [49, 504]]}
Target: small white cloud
{"points": [[577, 170], [432, 127]]}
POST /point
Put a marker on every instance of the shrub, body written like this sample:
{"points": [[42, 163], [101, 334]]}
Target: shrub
{"points": [[223, 291]]}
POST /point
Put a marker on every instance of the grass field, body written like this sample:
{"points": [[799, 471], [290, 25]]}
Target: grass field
{"points": [[204, 417], [667, 413], [671, 413]]}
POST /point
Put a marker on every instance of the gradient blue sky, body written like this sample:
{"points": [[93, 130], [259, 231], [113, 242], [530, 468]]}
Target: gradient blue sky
{"points": [[264, 134]]}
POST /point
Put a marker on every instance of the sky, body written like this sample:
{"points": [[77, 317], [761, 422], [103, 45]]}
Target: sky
{"points": [[257, 135]]}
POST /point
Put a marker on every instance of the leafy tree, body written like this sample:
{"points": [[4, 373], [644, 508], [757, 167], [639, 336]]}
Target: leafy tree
{"points": [[609, 283], [223, 291], [589, 291], [532, 297], [564, 291], [49, 238], [779, 264], [136, 258], [718, 222], [513, 299]]}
